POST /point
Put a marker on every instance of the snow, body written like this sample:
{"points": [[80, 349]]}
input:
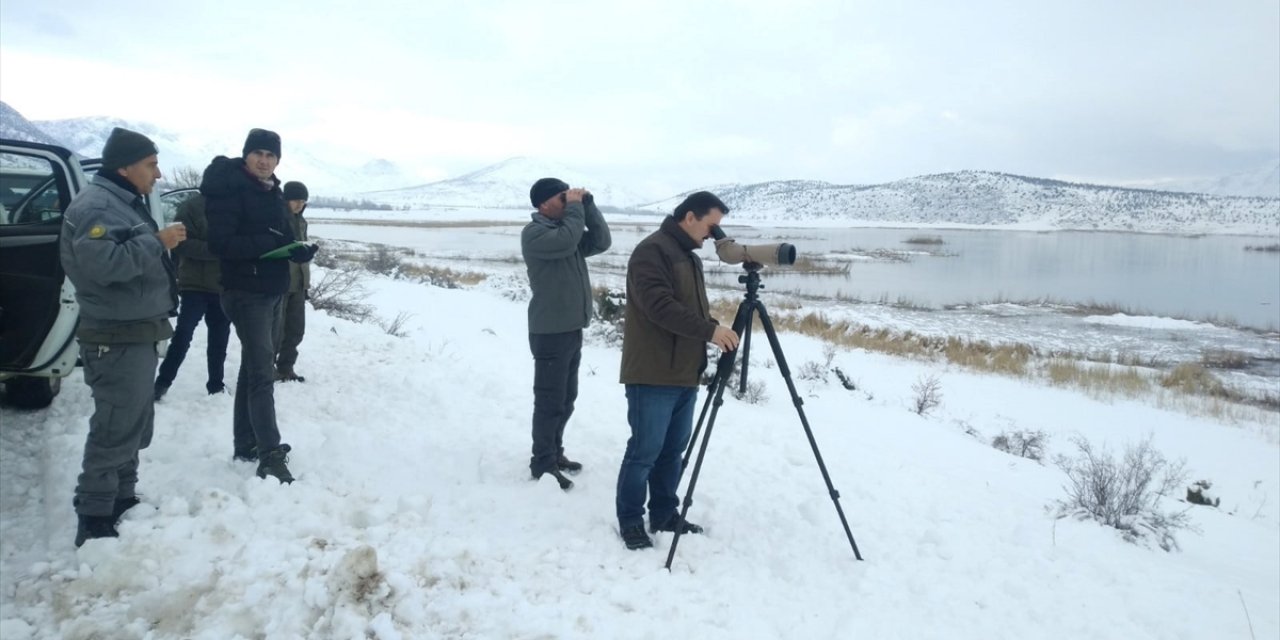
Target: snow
{"points": [[413, 515], [1144, 322]]}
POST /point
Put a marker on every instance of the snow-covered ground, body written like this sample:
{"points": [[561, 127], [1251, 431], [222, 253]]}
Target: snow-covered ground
{"points": [[413, 515]]}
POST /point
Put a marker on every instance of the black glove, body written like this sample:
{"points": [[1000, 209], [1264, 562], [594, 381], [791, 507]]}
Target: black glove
{"points": [[588, 199], [304, 253]]}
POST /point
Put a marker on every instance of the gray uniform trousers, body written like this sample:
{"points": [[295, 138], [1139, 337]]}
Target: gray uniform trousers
{"points": [[120, 377], [294, 319]]}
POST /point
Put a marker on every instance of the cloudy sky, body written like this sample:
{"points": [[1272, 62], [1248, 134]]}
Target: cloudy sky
{"points": [[667, 95]]}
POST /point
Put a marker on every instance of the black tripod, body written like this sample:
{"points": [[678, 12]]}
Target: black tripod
{"points": [[742, 326]]}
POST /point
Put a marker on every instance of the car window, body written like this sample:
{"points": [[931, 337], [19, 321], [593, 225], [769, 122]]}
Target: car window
{"points": [[170, 201], [31, 191]]}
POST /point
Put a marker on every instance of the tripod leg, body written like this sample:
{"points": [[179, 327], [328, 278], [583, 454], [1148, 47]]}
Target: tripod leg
{"points": [[724, 367], [716, 399], [798, 402]]}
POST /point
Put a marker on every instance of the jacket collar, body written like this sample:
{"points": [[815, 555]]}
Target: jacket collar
{"points": [[674, 229], [130, 197]]}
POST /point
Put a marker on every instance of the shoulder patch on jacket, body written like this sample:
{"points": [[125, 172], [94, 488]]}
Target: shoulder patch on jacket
{"points": [[97, 231]]}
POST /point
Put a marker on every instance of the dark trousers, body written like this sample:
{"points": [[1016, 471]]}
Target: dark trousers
{"points": [[555, 387], [120, 377], [198, 305], [295, 326], [256, 317], [661, 421]]}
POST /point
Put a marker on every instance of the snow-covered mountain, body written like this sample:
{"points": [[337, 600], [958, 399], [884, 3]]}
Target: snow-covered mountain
{"points": [[989, 198], [14, 126], [504, 185], [1263, 182]]}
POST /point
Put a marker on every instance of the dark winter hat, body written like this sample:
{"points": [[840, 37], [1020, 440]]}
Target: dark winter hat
{"points": [[545, 188], [262, 139], [295, 191], [125, 147]]}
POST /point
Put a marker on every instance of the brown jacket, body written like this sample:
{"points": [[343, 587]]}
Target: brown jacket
{"points": [[668, 320]]}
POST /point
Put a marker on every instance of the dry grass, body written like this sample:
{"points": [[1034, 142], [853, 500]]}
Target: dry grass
{"points": [[1191, 388], [924, 240], [1224, 359], [438, 275]]}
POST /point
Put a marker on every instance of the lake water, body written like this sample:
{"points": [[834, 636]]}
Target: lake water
{"points": [[1193, 277]]}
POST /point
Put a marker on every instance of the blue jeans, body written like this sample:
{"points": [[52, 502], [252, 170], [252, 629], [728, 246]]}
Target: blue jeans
{"points": [[661, 420], [197, 305], [256, 317]]}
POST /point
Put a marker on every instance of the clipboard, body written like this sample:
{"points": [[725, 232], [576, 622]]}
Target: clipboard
{"points": [[281, 252]]}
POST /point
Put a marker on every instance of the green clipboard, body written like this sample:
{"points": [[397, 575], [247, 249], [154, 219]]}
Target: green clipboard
{"points": [[281, 252]]}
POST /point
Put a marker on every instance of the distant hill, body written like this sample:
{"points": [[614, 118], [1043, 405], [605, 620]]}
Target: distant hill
{"points": [[15, 127], [504, 185], [990, 198]]}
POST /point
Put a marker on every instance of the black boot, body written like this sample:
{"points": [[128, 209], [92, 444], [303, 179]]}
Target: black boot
{"points": [[91, 527], [245, 455], [670, 525], [122, 505], [635, 538], [272, 463], [159, 392], [565, 464], [565, 483]]}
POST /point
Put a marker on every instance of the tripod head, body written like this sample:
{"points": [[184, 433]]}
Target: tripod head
{"points": [[752, 279]]}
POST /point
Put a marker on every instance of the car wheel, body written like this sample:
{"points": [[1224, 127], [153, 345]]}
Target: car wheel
{"points": [[31, 393]]}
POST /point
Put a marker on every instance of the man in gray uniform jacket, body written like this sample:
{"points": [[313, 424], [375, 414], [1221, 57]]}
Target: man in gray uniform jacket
{"points": [[126, 285], [566, 229]]}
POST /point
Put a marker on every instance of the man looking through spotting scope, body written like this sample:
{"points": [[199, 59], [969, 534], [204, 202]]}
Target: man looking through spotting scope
{"points": [[566, 229], [668, 322]]}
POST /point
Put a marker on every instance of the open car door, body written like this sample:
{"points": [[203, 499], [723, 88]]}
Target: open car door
{"points": [[38, 310]]}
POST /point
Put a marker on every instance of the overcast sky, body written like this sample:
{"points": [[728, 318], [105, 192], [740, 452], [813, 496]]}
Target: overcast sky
{"points": [[672, 95]]}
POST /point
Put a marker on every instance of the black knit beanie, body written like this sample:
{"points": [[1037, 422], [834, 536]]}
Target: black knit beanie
{"points": [[125, 147], [545, 188], [261, 139], [295, 191]]}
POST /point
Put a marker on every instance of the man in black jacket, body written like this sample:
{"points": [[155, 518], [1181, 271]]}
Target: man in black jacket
{"points": [[248, 219]]}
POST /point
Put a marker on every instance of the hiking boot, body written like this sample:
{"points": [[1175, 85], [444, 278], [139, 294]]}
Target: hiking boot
{"points": [[215, 389], [122, 505], [91, 527], [160, 390], [565, 464], [670, 525], [565, 483], [635, 537], [287, 374], [272, 463]]}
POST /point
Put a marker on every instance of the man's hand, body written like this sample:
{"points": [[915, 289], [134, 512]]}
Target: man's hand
{"points": [[574, 195], [725, 338], [172, 235], [304, 253]]}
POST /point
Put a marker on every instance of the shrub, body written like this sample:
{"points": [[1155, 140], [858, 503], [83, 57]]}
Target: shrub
{"points": [[382, 261], [342, 293], [1023, 443], [928, 394], [1124, 494], [395, 326]]}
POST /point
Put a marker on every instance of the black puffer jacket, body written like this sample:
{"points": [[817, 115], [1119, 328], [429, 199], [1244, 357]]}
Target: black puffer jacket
{"points": [[246, 220]]}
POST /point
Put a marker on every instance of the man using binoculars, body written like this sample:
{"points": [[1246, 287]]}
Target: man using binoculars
{"points": [[566, 229]]}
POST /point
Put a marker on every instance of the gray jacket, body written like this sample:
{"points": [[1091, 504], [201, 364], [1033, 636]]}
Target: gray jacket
{"points": [[125, 282], [555, 253]]}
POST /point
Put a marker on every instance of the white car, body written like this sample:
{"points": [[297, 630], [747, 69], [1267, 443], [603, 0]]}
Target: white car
{"points": [[38, 309]]}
